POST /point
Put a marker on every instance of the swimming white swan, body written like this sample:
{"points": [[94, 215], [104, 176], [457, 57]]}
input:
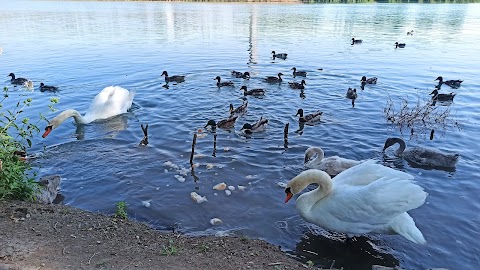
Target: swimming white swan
{"points": [[111, 101], [423, 156], [367, 198], [332, 165]]}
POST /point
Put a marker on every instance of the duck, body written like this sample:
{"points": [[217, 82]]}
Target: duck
{"points": [[18, 81], [372, 80], [259, 126], [273, 79], [332, 165], [225, 123], [296, 85], [176, 78], [409, 33], [111, 101], [351, 93], [356, 41], [279, 55], [399, 45], [221, 84], [239, 110], [422, 156], [44, 88], [366, 198], [309, 118], [254, 92], [442, 97], [238, 74], [451, 83], [298, 73]]}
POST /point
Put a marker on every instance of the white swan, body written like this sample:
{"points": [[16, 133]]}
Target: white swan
{"points": [[332, 165], [365, 198], [423, 156], [111, 101]]}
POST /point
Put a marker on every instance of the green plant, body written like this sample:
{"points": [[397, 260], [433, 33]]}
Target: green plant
{"points": [[204, 248], [310, 263], [121, 211], [16, 133], [170, 249]]}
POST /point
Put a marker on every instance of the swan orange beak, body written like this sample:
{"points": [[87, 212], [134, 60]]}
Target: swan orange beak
{"points": [[47, 131], [289, 196]]}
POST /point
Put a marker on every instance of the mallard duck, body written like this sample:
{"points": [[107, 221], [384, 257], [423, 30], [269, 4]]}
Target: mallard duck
{"points": [[352, 94], [296, 85], [399, 45], [19, 81], [366, 198], [253, 92], [409, 33], [309, 118], [44, 88], [372, 80], [423, 156], [240, 110], [272, 79], [442, 97], [356, 41], [451, 83], [260, 125], [221, 84], [225, 124], [279, 55], [332, 165], [176, 78], [299, 73], [238, 74]]}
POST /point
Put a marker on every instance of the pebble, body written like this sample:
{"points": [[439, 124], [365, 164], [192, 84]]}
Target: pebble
{"points": [[220, 186], [228, 192], [209, 166], [215, 221], [180, 178], [197, 198], [146, 203], [241, 188], [232, 188]]}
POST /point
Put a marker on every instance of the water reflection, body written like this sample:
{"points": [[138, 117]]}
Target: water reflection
{"points": [[358, 254]]}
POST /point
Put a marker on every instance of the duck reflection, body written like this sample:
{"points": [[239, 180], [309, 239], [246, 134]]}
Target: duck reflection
{"points": [[334, 251]]}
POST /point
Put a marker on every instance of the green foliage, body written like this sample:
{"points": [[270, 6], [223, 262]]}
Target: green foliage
{"points": [[121, 211], [170, 249], [204, 248], [16, 133]]}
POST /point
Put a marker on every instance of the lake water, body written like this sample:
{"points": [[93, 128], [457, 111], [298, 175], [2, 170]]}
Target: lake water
{"points": [[82, 47]]}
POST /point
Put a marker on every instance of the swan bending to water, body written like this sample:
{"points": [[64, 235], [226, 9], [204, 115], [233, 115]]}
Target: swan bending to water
{"points": [[423, 156], [332, 165], [367, 198], [111, 101]]}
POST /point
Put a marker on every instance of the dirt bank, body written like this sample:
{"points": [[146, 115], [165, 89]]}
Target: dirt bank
{"points": [[34, 236]]}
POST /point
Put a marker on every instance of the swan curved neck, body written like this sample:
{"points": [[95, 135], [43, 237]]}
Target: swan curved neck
{"points": [[320, 155], [401, 148], [59, 119], [307, 200]]}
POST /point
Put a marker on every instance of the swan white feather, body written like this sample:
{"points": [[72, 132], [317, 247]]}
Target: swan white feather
{"points": [[367, 198], [111, 101], [332, 165]]}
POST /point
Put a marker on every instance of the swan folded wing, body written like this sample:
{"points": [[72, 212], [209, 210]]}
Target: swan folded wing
{"points": [[369, 208], [430, 157], [367, 172], [111, 101], [334, 165]]}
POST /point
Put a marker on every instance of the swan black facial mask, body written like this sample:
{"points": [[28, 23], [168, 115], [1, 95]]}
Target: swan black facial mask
{"points": [[48, 129], [289, 194]]}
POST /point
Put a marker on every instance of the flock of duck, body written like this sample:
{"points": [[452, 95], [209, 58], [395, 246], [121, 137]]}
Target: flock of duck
{"points": [[353, 196]]}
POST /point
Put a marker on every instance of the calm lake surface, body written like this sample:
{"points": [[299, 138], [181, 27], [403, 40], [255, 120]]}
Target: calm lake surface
{"points": [[82, 47]]}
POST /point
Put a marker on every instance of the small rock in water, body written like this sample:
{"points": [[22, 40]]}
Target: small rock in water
{"points": [[170, 164], [241, 188], [228, 192], [146, 203], [232, 188], [183, 171], [197, 198], [201, 135], [215, 221], [166, 171], [209, 166], [250, 176], [220, 186], [226, 149], [281, 184], [199, 155], [180, 178]]}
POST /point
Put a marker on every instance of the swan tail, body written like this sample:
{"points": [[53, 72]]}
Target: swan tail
{"points": [[404, 225]]}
